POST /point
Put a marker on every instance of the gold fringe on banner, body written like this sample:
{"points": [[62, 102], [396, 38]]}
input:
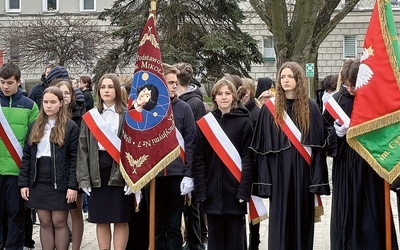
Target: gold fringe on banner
{"points": [[374, 124], [364, 153], [258, 219], [135, 187], [388, 39]]}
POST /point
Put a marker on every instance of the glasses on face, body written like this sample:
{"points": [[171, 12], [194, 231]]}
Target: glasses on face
{"points": [[66, 93], [348, 87]]}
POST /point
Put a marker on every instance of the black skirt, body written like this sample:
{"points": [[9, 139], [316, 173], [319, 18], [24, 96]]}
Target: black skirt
{"points": [[43, 195], [109, 204]]}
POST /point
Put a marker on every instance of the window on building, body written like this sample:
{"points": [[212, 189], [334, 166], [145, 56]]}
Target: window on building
{"points": [[350, 46], [50, 5], [14, 51], [13, 5], [268, 49], [88, 5], [88, 49]]}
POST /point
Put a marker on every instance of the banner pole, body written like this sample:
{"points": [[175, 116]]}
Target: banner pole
{"points": [[388, 223], [152, 215]]}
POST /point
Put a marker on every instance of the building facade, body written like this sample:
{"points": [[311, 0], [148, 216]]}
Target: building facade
{"points": [[345, 41]]}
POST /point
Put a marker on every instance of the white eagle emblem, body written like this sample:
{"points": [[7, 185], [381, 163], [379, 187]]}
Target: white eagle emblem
{"points": [[365, 73]]}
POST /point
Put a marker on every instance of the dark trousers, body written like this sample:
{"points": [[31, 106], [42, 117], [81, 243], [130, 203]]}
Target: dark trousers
{"points": [[11, 208], [139, 227], [169, 209], [192, 226], [28, 228], [203, 224], [225, 232], [254, 236]]}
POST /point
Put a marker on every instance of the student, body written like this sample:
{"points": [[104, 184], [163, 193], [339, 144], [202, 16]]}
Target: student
{"points": [[223, 190], [19, 112], [358, 204], [98, 172], [176, 180], [193, 214], [75, 113], [85, 84], [287, 177], [36, 92], [48, 177], [246, 94]]}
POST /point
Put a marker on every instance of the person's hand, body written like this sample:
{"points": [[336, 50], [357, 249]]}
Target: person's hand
{"points": [[241, 200], [265, 96], [87, 190], [71, 195], [127, 190], [186, 185], [340, 130], [25, 193]]}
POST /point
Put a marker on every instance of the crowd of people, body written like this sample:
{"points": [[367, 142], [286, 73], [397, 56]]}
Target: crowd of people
{"points": [[261, 137]]}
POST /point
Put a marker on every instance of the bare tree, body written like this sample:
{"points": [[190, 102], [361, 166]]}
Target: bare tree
{"points": [[300, 26], [69, 41]]}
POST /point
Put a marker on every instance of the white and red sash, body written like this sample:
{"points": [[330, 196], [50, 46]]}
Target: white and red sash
{"points": [[10, 140], [294, 135], [103, 134], [181, 142], [291, 131], [336, 111], [229, 155]]}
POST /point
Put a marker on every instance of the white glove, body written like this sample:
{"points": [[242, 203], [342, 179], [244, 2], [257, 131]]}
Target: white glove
{"points": [[87, 190], [241, 200], [186, 185], [340, 130], [127, 190]]}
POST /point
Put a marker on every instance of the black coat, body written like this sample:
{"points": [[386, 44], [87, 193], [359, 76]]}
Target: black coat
{"points": [[254, 111], [194, 98], [358, 205], [214, 184], [89, 102], [63, 161], [285, 177]]}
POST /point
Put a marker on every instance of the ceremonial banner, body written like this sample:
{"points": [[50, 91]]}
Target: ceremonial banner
{"points": [[148, 142], [375, 120]]}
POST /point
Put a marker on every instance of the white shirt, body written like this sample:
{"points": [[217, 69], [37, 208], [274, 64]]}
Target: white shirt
{"points": [[112, 119], [43, 148]]}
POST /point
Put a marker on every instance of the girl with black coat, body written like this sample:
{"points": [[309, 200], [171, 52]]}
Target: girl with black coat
{"points": [[48, 173], [75, 112], [223, 196]]}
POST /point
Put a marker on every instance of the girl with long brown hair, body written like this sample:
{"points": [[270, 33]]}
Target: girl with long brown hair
{"points": [[48, 173], [290, 170], [98, 173]]}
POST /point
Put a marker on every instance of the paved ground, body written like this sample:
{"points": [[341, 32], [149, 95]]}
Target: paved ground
{"points": [[321, 237]]}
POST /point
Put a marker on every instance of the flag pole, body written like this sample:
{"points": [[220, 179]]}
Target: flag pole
{"points": [[388, 217], [152, 215]]}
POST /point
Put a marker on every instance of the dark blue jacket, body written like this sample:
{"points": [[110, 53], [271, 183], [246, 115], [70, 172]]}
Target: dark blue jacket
{"points": [[184, 122]]}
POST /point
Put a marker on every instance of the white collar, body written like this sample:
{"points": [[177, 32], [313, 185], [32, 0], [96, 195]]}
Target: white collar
{"points": [[112, 108]]}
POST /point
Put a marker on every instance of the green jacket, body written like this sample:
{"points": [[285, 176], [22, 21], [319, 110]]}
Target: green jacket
{"points": [[20, 112]]}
